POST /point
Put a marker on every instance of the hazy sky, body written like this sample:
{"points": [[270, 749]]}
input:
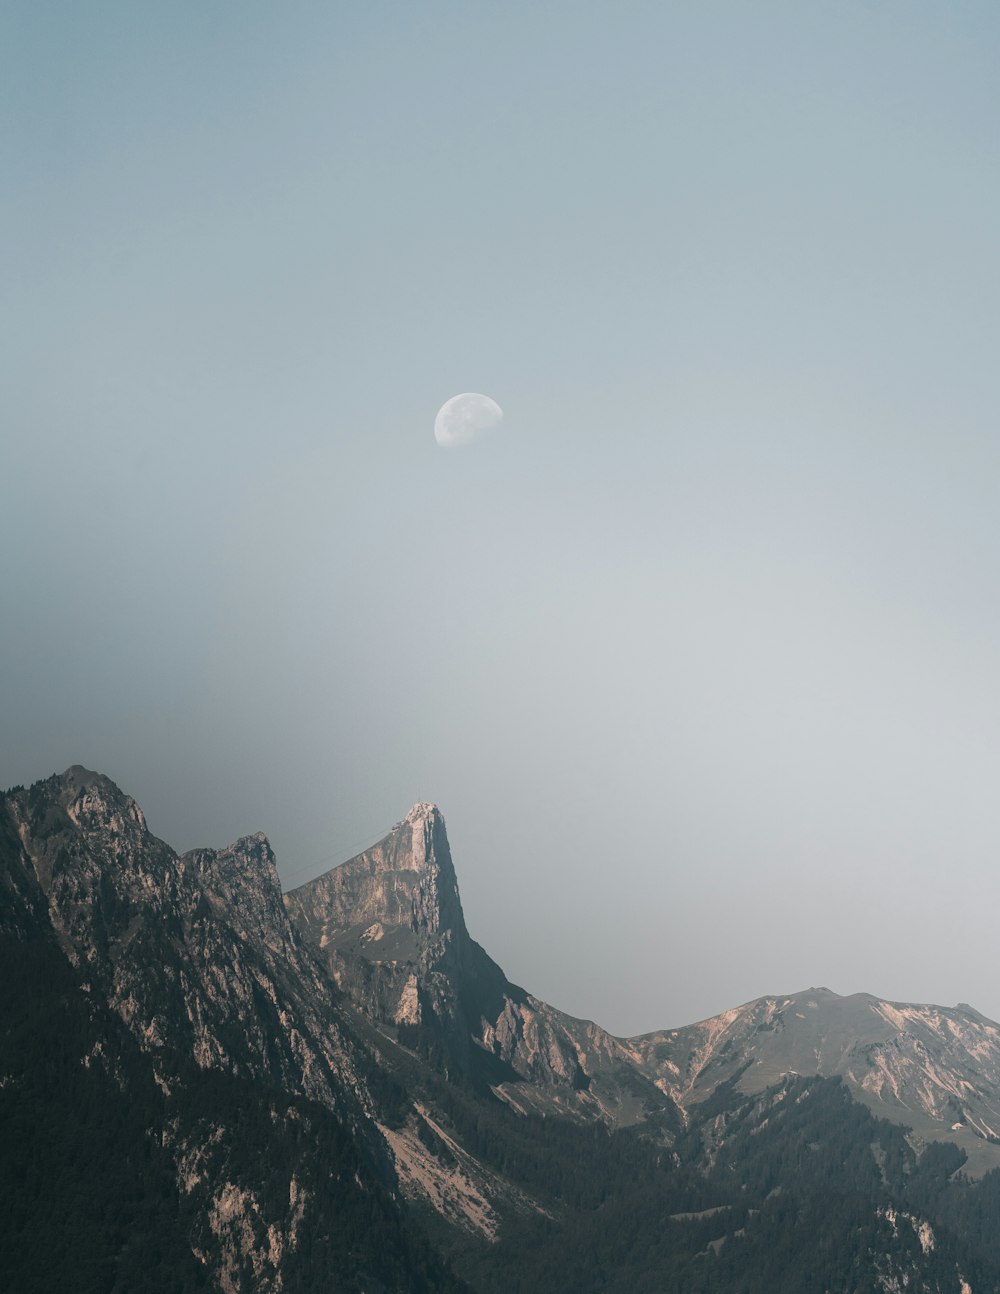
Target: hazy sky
{"points": [[700, 652]]}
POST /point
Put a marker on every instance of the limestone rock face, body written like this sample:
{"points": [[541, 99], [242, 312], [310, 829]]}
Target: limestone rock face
{"points": [[390, 927], [406, 882]]}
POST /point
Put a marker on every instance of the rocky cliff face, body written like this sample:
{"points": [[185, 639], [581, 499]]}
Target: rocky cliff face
{"points": [[390, 927], [407, 882]]}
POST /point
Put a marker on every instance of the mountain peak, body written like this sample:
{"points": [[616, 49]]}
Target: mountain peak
{"points": [[243, 880], [80, 800], [406, 880], [423, 811], [81, 776]]}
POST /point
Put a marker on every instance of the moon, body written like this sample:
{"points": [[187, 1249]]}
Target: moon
{"points": [[464, 418]]}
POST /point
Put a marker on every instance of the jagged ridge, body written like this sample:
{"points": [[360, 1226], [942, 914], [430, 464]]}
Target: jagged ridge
{"points": [[390, 925], [196, 958], [206, 965]]}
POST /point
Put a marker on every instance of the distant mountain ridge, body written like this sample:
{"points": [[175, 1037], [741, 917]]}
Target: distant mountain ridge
{"points": [[936, 1069]]}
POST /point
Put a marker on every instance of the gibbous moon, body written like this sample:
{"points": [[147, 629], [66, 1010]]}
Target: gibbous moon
{"points": [[464, 418]]}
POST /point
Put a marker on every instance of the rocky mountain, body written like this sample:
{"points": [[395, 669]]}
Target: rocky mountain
{"points": [[182, 969], [390, 928], [194, 953], [933, 1069], [207, 1085]]}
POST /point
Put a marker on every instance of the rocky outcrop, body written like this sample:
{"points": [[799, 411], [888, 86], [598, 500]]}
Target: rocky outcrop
{"points": [[406, 882], [390, 928]]}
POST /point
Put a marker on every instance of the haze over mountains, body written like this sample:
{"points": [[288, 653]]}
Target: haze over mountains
{"points": [[338, 1088]]}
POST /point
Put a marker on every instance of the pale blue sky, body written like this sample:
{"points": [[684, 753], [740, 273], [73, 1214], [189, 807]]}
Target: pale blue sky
{"points": [[700, 653]]}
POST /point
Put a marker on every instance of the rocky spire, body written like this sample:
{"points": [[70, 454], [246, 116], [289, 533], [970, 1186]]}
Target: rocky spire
{"points": [[406, 880]]}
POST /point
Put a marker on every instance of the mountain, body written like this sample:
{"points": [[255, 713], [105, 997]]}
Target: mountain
{"points": [[174, 993], [207, 1085], [389, 926], [934, 1069]]}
